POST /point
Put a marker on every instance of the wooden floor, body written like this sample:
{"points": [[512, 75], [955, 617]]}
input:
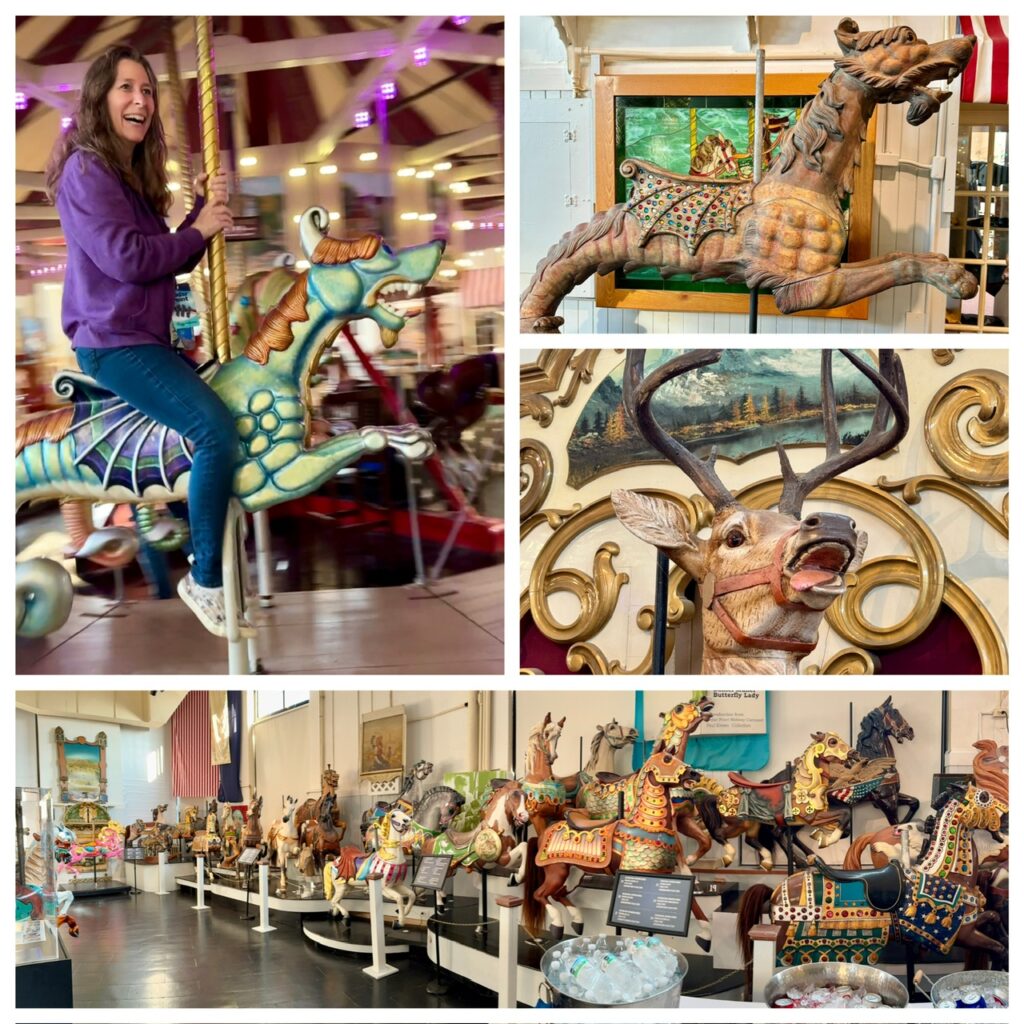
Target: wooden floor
{"points": [[360, 631], [155, 951]]}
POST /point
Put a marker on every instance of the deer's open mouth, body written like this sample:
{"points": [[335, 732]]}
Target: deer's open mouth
{"points": [[819, 567]]}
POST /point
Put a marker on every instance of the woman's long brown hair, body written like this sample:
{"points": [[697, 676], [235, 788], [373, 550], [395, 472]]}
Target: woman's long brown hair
{"points": [[92, 132]]}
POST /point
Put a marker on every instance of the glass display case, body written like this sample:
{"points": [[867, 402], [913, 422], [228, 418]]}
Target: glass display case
{"points": [[36, 897]]}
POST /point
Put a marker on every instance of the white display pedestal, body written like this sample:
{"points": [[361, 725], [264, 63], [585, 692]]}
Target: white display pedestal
{"points": [[380, 968], [508, 950], [200, 884], [264, 925]]}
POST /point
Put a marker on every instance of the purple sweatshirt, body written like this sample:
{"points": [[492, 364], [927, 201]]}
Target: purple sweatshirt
{"points": [[122, 259]]}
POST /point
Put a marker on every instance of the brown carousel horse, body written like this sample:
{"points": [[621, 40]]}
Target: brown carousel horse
{"points": [[645, 840], [320, 838], [749, 808], [311, 809], [547, 797], [835, 914]]}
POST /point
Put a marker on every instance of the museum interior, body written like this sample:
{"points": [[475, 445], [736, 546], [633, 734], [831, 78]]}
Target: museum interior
{"points": [[923, 582], [493, 849], [639, 145], [372, 486]]}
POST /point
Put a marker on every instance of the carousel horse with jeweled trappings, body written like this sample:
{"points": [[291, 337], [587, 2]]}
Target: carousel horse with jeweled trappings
{"points": [[786, 234], [353, 866], [493, 842], [644, 840], [547, 797], [832, 914], [100, 449], [430, 816], [750, 808]]}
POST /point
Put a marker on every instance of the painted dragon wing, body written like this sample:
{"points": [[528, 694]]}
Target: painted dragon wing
{"points": [[689, 207]]}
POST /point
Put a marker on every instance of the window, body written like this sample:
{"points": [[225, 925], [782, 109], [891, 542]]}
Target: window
{"points": [[270, 702], [979, 232]]}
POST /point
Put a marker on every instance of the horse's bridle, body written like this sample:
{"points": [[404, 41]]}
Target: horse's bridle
{"points": [[770, 575]]}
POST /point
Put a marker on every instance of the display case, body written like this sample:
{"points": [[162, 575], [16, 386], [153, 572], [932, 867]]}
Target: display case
{"points": [[37, 899]]}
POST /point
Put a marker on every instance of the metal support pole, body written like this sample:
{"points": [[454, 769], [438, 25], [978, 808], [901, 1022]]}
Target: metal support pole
{"points": [[380, 968], [414, 524], [264, 925], [200, 884], [508, 951], [660, 615], [264, 568], [758, 157]]}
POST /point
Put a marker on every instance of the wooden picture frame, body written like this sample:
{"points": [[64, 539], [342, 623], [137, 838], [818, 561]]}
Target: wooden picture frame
{"points": [[82, 768], [382, 739], [607, 88]]}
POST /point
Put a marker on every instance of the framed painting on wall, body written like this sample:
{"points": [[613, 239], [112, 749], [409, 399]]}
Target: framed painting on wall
{"points": [[690, 124], [82, 768], [382, 742]]}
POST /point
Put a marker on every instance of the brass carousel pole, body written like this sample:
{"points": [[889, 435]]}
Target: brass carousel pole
{"points": [[211, 162]]}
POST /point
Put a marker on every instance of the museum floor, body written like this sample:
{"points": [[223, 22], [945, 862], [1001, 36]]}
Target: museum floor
{"points": [[155, 951], [458, 630]]}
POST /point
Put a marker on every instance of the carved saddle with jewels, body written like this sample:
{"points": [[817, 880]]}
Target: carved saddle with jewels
{"points": [[581, 841], [883, 887]]}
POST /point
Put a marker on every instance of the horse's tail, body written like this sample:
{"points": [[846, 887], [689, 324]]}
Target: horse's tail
{"points": [[751, 906], [853, 855], [533, 912], [712, 818]]}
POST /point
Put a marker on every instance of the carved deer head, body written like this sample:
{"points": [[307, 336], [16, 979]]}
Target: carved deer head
{"points": [[766, 576]]}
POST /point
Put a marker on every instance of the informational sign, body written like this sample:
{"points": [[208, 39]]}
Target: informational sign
{"points": [[737, 713], [651, 903], [249, 855], [134, 853], [432, 872]]}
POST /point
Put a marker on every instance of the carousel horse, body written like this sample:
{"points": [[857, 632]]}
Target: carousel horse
{"points": [[747, 808], [608, 739], [430, 816], [833, 914], [645, 840], [877, 730], [885, 845], [547, 797], [32, 895], [283, 841], [108, 845], [787, 233], [311, 809], [230, 826], [494, 841], [321, 837], [100, 449], [207, 841], [353, 866], [994, 885]]}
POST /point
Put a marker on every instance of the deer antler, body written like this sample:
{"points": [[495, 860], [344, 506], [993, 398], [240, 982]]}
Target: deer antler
{"points": [[892, 396], [637, 392]]}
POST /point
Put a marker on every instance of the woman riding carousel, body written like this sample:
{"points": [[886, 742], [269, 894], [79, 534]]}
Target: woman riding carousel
{"points": [[108, 179]]}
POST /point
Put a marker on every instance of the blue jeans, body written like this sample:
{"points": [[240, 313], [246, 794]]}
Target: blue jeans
{"points": [[162, 385]]}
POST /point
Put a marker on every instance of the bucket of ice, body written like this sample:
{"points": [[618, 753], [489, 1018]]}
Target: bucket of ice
{"points": [[604, 970], [976, 990], [834, 985]]}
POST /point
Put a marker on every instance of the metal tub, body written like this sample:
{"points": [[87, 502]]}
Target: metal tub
{"points": [[892, 991], [962, 979], [668, 998]]}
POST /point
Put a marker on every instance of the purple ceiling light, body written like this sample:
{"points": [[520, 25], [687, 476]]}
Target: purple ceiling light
{"points": [[421, 56], [66, 122], [362, 119], [460, 19], [20, 100], [387, 89]]}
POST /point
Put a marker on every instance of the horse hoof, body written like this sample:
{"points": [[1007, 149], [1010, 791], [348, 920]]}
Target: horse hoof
{"points": [[577, 927], [557, 931], [704, 943]]}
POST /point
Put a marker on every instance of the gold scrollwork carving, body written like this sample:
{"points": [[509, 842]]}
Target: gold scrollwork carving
{"points": [[913, 486], [546, 375], [846, 615], [535, 473], [989, 391], [850, 661]]}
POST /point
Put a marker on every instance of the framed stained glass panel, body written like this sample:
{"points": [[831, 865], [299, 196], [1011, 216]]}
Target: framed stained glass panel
{"points": [[705, 124]]}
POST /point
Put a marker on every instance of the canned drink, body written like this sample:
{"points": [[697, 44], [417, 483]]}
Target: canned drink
{"points": [[783, 1003], [1001, 997], [946, 1004], [872, 999]]}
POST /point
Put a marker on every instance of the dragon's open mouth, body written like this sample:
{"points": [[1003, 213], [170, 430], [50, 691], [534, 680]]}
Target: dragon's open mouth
{"points": [[397, 289], [819, 567]]}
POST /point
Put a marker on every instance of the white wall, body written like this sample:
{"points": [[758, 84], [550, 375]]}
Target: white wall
{"points": [[793, 716], [553, 168]]}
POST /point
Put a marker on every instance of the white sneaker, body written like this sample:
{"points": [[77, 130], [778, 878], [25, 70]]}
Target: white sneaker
{"points": [[206, 603]]}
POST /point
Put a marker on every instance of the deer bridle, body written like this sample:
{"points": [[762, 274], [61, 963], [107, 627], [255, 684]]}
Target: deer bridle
{"points": [[770, 575]]}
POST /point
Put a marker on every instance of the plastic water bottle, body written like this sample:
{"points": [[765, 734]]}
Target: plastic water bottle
{"points": [[664, 954], [648, 962], [595, 986], [626, 981]]}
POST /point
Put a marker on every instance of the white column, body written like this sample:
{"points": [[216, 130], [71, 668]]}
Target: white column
{"points": [[264, 570], [508, 950], [200, 883], [264, 925], [380, 968], [765, 938], [161, 870]]}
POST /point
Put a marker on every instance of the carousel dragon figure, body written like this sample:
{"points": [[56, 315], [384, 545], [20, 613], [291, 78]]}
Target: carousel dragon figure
{"points": [[786, 234], [98, 448]]}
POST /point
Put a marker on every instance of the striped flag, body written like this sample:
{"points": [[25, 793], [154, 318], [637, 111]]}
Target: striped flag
{"points": [[192, 774], [986, 78]]}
